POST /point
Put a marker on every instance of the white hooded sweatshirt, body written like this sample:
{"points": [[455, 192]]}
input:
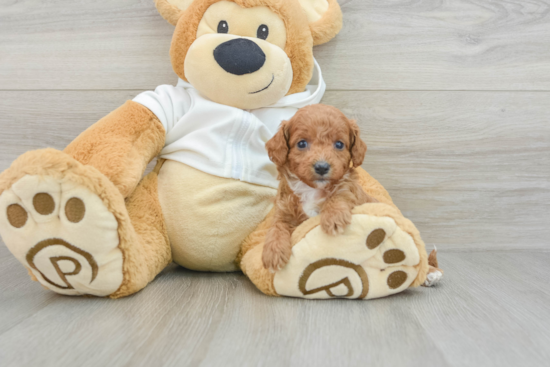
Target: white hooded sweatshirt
{"points": [[221, 140]]}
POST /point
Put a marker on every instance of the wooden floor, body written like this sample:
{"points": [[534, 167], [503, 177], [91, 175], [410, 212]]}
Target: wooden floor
{"points": [[453, 98], [491, 310]]}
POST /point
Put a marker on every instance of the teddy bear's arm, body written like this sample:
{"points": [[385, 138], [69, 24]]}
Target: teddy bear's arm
{"points": [[121, 144]]}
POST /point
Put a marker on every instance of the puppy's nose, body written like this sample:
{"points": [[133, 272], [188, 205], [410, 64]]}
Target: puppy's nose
{"points": [[239, 56], [321, 168]]}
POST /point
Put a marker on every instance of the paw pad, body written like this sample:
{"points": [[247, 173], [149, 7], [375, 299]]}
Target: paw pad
{"points": [[373, 258], [75, 210], [396, 279], [341, 288], [393, 256], [375, 238], [76, 261], [17, 215], [43, 203], [64, 234]]}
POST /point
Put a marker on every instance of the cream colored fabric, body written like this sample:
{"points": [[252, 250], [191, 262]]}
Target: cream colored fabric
{"points": [[248, 91], [208, 217], [243, 22], [52, 247], [348, 257], [314, 9], [181, 4]]}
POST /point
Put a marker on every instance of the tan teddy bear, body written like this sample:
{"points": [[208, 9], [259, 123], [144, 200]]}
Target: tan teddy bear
{"points": [[84, 222]]}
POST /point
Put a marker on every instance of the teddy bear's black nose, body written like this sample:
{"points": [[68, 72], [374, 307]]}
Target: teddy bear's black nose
{"points": [[239, 56]]}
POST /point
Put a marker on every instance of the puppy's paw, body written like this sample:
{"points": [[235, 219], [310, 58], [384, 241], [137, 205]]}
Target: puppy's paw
{"points": [[433, 277], [276, 255], [335, 222]]}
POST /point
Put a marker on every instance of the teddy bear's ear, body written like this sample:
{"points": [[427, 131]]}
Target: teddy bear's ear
{"points": [[171, 10], [325, 19]]}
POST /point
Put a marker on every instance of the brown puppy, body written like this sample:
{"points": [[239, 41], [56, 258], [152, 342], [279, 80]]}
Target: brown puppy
{"points": [[316, 153]]}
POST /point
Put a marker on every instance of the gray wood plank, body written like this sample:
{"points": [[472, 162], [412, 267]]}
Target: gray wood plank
{"points": [[397, 45], [35, 120], [487, 297], [104, 44], [490, 310], [440, 45], [471, 169], [20, 298]]}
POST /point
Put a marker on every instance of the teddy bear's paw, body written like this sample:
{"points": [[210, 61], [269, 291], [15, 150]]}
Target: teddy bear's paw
{"points": [[373, 258], [64, 234]]}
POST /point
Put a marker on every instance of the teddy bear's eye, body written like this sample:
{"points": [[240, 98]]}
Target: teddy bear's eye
{"points": [[302, 144], [339, 145], [223, 27], [263, 32]]}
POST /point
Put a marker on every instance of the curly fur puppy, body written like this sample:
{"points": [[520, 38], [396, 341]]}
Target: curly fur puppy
{"points": [[316, 153]]}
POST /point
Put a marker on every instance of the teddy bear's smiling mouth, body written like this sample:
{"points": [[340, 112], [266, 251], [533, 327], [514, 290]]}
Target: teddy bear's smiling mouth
{"points": [[261, 90]]}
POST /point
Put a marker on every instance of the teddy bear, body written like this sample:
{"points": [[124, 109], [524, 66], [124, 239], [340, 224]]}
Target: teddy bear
{"points": [[84, 221]]}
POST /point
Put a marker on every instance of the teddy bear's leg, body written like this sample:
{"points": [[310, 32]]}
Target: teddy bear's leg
{"points": [[379, 254], [250, 258], [147, 252], [71, 227], [120, 145]]}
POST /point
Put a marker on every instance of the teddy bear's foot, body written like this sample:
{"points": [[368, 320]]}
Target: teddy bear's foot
{"points": [[60, 228], [375, 257]]}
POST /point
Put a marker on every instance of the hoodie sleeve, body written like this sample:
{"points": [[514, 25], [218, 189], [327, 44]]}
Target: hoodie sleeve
{"points": [[167, 102]]}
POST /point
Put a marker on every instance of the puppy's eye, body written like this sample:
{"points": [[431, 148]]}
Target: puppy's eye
{"points": [[339, 145], [302, 144], [223, 27], [263, 32]]}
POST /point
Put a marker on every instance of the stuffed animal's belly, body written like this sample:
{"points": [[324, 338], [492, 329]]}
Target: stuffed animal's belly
{"points": [[208, 217]]}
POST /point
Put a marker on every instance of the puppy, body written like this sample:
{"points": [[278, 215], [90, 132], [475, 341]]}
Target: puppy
{"points": [[316, 153]]}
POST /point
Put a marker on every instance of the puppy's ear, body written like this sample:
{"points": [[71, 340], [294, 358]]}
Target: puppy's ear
{"points": [[277, 147], [358, 148]]}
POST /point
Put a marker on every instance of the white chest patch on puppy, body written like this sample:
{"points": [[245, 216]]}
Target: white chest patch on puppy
{"points": [[311, 198]]}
